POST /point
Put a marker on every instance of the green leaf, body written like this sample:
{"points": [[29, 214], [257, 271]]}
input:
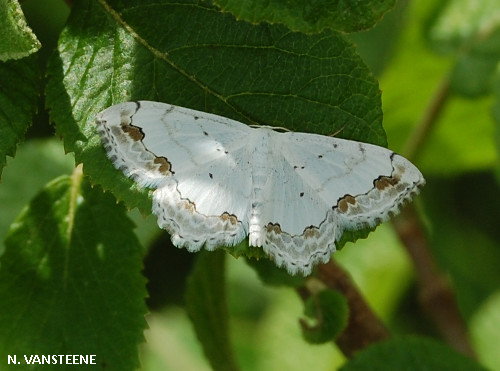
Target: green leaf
{"points": [[207, 307], [16, 38], [37, 162], [311, 16], [378, 45], [18, 103], [70, 280], [471, 30], [262, 74], [410, 354], [330, 310]]}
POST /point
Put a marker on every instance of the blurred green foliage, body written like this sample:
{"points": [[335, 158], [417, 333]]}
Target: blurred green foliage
{"points": [[420, 53]]}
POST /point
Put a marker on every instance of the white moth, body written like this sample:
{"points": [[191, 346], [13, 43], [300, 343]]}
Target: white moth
{"points": [[217, 181]]}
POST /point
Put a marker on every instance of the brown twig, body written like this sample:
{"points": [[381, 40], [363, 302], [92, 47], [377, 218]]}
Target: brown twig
{"points": [[436, 295], [364, 327], [427, 121]]}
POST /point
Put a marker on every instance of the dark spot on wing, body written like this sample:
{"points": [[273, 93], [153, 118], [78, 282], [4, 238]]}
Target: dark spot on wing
{"points": [[345, 203], [165, 165], [383, 182], [274, 227], [210, 175], [134, 132], [229, 217]]}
